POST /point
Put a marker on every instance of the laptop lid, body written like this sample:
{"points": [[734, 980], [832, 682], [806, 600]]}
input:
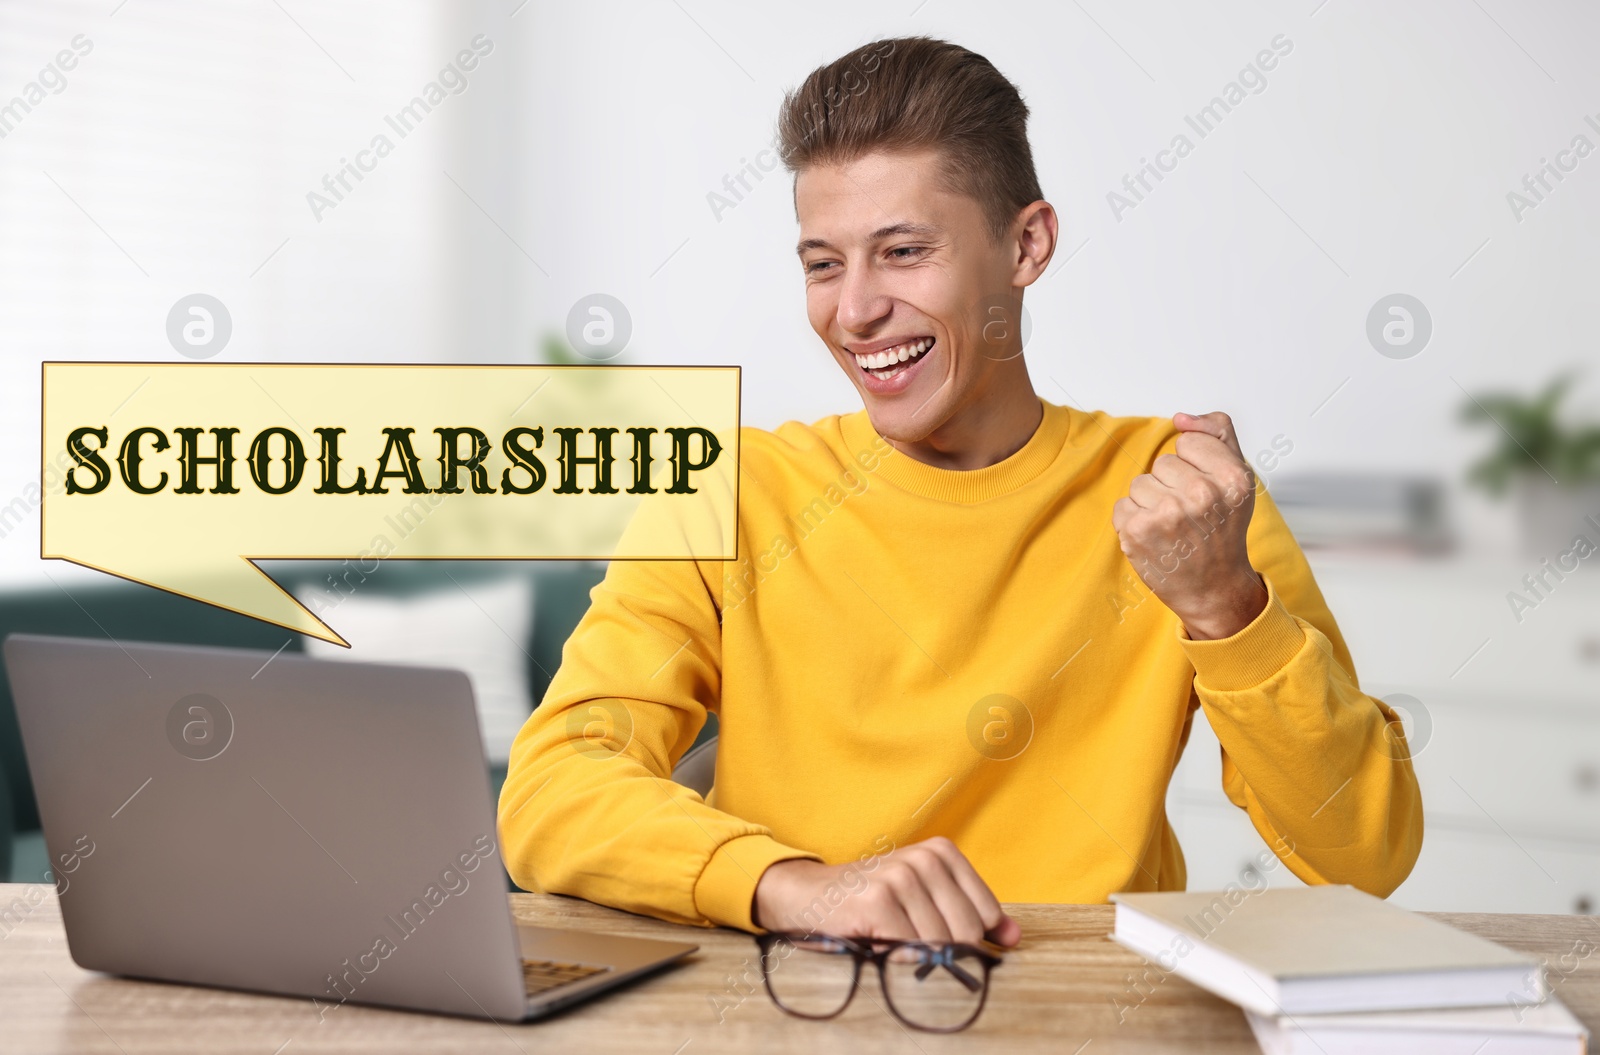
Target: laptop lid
{"points": [[268, 822]]}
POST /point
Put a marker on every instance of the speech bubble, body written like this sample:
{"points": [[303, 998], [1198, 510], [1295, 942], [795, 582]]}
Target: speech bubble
{"points": [[183, 475]]}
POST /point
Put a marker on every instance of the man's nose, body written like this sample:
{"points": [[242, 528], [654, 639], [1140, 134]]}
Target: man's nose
{"points": [[862, 301]]}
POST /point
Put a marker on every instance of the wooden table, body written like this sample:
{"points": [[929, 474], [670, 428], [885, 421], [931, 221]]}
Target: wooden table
{"points": [[1065, 990]]}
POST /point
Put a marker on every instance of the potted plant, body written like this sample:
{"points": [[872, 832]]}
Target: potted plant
{"points": [[1553, 466]]}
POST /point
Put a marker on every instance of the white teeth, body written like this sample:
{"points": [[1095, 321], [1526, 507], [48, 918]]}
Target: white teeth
{"points": [[891, 356]]}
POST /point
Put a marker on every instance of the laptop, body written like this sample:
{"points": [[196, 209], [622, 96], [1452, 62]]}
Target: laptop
{"points": [[271, 822]]}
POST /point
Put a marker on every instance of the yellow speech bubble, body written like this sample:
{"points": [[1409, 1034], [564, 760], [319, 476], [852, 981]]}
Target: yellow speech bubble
{"points": [[182, 475]]}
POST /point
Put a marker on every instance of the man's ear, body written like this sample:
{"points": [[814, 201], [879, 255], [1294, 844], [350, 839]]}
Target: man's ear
{"points": [[1037, 230]]}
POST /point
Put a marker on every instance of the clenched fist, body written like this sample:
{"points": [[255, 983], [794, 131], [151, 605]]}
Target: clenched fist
{"points": [[1183, 529]]}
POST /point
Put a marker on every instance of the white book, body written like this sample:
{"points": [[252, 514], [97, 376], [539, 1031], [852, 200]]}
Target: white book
{"points": [[1321, 949], [1537, 1029]]}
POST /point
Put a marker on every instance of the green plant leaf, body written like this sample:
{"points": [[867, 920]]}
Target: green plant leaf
{"points": [[1531, 436]]}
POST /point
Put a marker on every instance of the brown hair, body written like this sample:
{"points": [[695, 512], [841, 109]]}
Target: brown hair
{"points": [[911, 93]]}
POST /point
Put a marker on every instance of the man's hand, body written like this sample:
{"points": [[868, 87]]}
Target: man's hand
{"points": [[926, 891], [1183, 528]]}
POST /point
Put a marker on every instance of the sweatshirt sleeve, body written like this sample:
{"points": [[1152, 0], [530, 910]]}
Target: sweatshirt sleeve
{"points": [[1321, 767], [588, 807]]}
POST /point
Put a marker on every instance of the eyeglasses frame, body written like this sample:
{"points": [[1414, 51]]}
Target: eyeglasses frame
{"points": [[877, 951]]}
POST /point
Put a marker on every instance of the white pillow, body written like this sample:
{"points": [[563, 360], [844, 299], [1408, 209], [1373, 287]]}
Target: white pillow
{"points": [[481, 628]]}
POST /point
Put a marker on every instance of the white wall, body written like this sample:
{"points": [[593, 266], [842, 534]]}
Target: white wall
{"points": [[1377, 159]]}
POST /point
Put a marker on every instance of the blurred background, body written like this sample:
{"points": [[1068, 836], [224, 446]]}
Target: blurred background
{"points": [[1379, 253]]}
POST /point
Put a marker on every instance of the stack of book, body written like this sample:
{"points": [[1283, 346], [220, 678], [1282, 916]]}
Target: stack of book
{"points": [[1326, 970]]}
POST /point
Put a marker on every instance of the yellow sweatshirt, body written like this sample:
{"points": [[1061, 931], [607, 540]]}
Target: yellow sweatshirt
{"points": [[903, 651]]}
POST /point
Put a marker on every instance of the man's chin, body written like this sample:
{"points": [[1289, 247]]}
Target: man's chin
{"points": [[899, 421]]}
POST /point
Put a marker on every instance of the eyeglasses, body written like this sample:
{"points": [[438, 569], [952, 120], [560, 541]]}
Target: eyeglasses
{"points": [[931, 986]]}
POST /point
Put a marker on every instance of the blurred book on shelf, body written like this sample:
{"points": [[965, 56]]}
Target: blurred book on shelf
{"points": [[1365, 512]]}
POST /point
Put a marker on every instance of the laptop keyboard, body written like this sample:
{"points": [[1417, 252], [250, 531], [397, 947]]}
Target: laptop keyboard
{"points": [[541, 975]]}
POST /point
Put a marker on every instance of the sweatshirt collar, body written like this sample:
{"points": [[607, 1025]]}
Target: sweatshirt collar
{"points": [[963, 486]]}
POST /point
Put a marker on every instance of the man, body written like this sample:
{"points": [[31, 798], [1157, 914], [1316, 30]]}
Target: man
{"points": [[962, 647]]}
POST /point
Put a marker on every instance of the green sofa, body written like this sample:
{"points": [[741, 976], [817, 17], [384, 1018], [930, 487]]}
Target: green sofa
{"points": [[130, 611]]}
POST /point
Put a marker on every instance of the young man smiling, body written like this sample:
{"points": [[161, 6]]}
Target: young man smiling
{"points": [[987, 659]]}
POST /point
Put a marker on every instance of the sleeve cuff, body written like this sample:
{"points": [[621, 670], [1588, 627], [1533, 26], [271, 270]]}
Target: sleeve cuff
{"points": [[1251, 656], [726, 888]]}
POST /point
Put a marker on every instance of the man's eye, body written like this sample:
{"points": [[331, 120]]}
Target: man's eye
{"points": [[913, 250], [813, 268]]}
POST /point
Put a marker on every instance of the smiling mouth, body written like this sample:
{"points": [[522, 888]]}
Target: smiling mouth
{"points": [[886, 364]]}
